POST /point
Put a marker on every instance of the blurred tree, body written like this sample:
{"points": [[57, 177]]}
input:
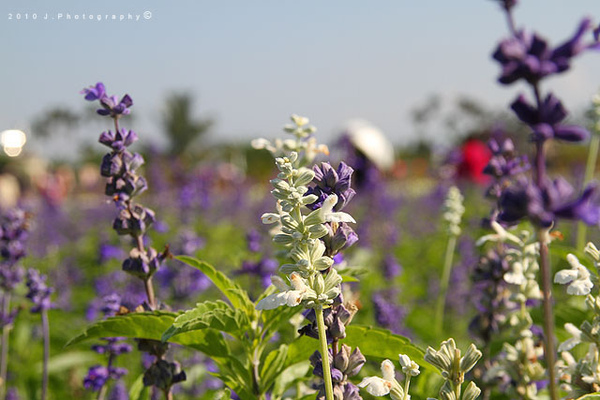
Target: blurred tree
{"points": [[180, 126], [54, 119]]}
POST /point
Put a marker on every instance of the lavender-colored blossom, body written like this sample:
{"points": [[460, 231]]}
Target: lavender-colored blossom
{"points": [[109, 252], [253, 238], [343, 237], [391, 267], [504, 166], [96, 378], [543, 205], [345, 364], [329, 181], [39, 293], [490, 295], [529, 57], [12, 394], [388, 313], [95, 92], [13, 234], [113, 346], [336, 318], [119, 392], [545, 121]]}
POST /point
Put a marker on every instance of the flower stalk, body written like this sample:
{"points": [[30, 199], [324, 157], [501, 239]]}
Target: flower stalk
{"points": [[324, 348]]}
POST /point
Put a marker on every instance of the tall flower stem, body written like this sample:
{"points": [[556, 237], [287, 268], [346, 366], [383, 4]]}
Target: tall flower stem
{"points": [[46, 333], [590, 167], [549, 352], [4, 355], [444, 283], [324, 352]]}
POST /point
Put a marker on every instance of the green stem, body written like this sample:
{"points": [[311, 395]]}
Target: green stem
{"points": [[46, 333], [324, 353], [406, 387], [590, 167], [445, 281], [4, 356], [549, 351]]}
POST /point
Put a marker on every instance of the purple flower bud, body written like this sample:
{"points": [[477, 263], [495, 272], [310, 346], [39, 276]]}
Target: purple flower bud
{"points": [[96, 92], [96, 378], [141, 264], [39, 293]]}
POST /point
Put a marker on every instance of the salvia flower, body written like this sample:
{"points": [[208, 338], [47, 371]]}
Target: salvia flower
{"points": [[13, 235], [545, 120], [39, 293], [529, 57], [543, 205], [387, 383], [453, 210], [577, 278], [98, 375], [345, 364], [330, 181]]}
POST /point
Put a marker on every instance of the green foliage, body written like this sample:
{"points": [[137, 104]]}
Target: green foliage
{"points": [[234, 293], [217, 315], [152, 325]]}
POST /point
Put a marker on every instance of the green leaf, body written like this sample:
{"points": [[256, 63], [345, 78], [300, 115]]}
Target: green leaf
{"points": [[151, 325], [235, 294], [591, 396], [216, 315], [138, 391], [272, 366], [381, 344], [289, 376], [374, 343]]}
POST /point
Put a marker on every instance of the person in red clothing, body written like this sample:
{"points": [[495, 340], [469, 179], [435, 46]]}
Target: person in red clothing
{"points": [[475, 155]]}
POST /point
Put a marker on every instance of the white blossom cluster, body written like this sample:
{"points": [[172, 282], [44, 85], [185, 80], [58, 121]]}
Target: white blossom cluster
{"points": [[312, 281]]}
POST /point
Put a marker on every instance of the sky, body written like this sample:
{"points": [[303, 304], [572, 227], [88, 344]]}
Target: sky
{"points": [[251, 64]]}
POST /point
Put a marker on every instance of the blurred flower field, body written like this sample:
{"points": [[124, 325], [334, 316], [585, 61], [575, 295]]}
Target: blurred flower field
{"points": [[138, 273]]}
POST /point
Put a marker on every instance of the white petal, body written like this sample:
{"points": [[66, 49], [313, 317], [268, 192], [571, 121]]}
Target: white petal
{"points": [[294, 297], [297, 282], [272, 301], [339, 217], [387, 370], [565, 276], [580, 287], [279, 283], [376, 386], [571, 259], [329, 203]]}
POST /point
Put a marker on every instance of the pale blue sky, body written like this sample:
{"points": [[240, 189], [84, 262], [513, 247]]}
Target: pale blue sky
{"points": [[253, 63]]}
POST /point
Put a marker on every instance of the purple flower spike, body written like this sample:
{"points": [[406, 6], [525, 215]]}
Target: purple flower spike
{"points": [[526, 56], [39, 292], [96, 378], [545, 121], [96, 92]]}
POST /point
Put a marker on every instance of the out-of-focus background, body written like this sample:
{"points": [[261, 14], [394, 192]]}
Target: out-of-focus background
{"points": [[248, 65]]}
